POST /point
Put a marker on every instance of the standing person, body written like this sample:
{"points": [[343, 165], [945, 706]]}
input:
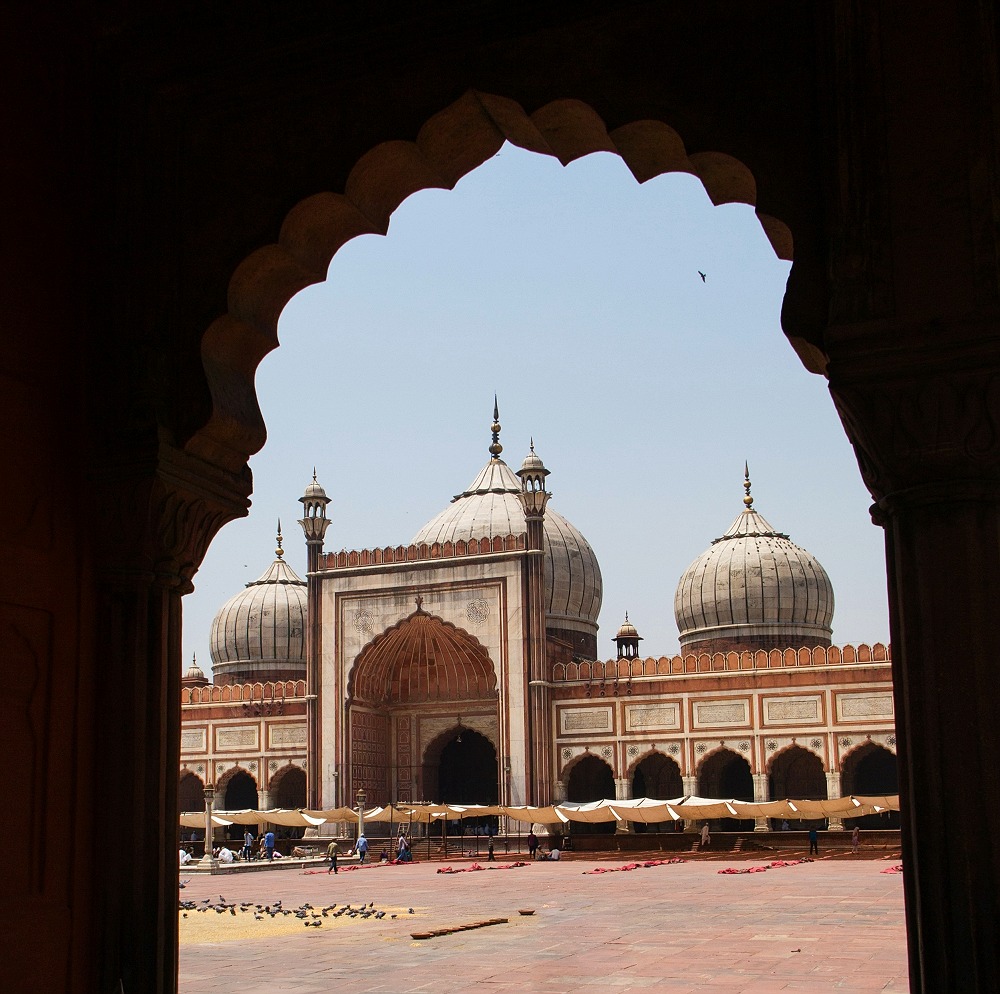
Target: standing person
{"points": [[331, 852], [706, 839], [855, 839], [361, 848], [813, 841], [247, 851], [400, 845], [269, 845], [532, 843], [489, 850]]}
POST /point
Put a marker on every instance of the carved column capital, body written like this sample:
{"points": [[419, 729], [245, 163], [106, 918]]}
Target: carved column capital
{"points": [[157, 515], [924, 421]]}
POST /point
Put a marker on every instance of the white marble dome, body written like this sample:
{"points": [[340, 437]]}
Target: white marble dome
{"points": [[490, 507], [260, 634], [753, 588]]}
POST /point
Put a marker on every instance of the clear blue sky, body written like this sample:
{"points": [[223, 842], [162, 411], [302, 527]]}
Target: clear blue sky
{"points": [[573, 294]]}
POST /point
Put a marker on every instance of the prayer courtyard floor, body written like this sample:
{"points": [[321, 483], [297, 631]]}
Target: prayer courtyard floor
{"points": [[835, 924]]}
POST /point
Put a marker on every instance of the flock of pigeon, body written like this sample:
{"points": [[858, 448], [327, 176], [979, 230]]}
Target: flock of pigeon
{"points": [[309, 916]]}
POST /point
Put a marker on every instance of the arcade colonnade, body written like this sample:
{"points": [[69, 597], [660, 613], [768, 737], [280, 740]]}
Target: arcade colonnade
{"points": [[175, 175]]}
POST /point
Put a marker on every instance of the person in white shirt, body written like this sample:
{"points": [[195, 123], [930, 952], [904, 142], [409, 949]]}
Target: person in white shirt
{"points": [[225, 855], [185, 857]]}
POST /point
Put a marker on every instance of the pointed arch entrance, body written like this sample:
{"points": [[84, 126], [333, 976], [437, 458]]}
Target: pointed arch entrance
{"points": [[460, 767], [410, 691], [872, 770], [239, 792], [191, 792], [726, 774], [591, 779]]}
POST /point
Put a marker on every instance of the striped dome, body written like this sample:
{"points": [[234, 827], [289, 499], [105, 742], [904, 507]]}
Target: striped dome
{"points": [[260, 634], [490, 507], [754, 587]]}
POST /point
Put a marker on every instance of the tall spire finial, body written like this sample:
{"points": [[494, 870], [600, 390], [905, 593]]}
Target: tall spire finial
{"points": [[314, 474], [747, 499], [279, 552], [496, 448]]}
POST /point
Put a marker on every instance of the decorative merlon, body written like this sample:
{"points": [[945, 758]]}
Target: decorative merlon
{"points": [[722, 662], [423, 552]]}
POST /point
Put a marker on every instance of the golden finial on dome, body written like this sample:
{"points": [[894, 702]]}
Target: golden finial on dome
{"points": [[496, 448], [747, 499], [279, 552]]}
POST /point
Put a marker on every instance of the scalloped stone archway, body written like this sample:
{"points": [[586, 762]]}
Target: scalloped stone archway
{"points": [[450, 144]]}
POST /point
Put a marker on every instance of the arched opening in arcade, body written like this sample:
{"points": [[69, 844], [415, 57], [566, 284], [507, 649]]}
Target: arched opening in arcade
{"points": [[238, 792], [590, 779], [726, 774], [871, 770], [288, 788], [796, 773], [659, 777], [191, 792]]}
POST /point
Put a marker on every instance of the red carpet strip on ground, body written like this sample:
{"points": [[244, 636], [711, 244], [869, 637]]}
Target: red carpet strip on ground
{"points": [[370, 866], [635, 866], [898, 868], [776, 865], [476, 866]]}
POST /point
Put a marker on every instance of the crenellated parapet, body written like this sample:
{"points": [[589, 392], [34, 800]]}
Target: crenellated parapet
{"points": [[721, 662], [249, 693], [423, 551]]}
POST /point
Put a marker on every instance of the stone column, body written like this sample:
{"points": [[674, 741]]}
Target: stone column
{"points": [[761, 794], [926, 429], [833, 789], [533, 498], [314, 524], [623, 792], [690, 785], [158, 512], [208, 860]]}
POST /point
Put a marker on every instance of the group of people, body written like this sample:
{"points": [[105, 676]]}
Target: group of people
{"points": [[403, 852]]}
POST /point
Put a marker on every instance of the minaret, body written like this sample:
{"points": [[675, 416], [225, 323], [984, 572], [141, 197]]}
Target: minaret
{"points": [[628, 640], [314, 525], [533, 498]]}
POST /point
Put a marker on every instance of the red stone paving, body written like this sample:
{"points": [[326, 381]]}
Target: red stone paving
{"points": [[832, 925]]}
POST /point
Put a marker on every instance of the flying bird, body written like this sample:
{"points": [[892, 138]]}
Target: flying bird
{"points": [[702, 275]]}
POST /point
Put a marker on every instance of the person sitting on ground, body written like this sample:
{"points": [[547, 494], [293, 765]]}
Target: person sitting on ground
{"points": [[185, 857], [225, 855]]}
